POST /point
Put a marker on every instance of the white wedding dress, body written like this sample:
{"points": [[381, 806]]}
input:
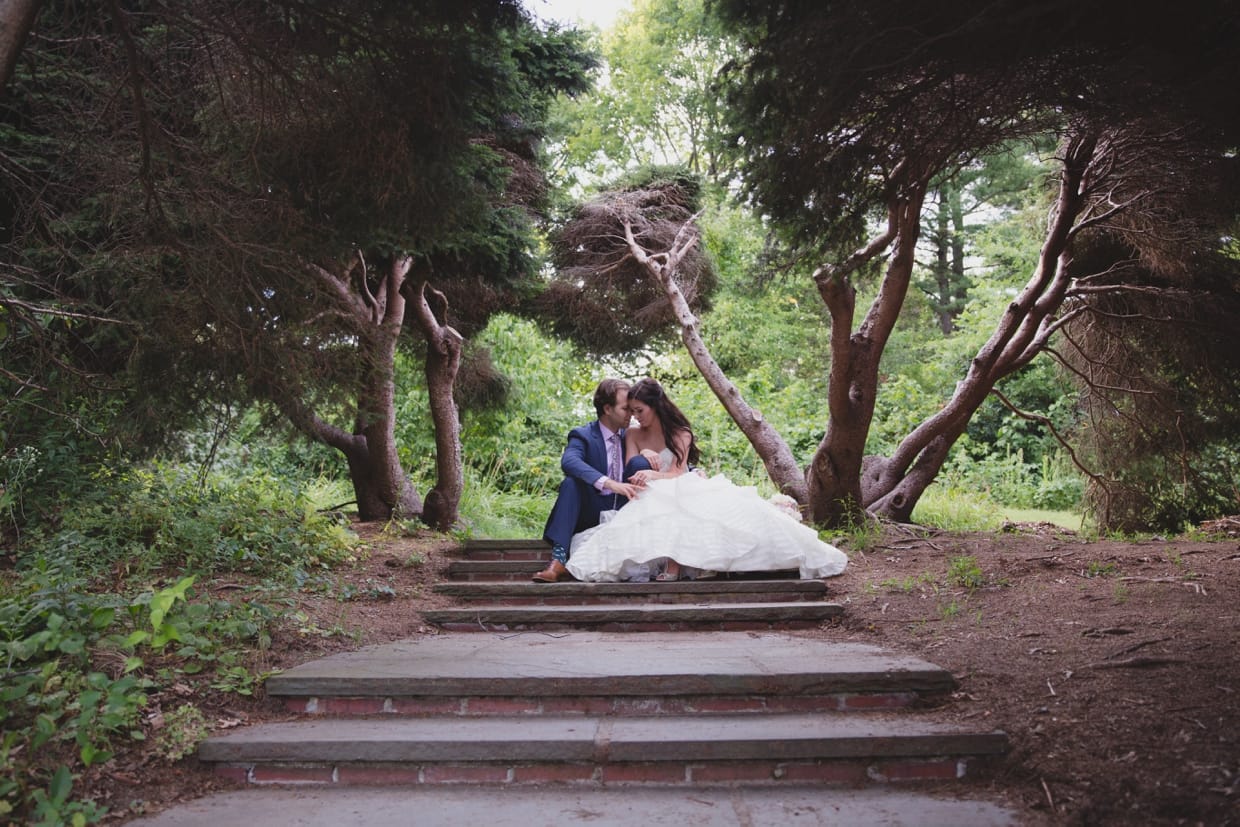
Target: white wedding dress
{"points": [[709, 524]]}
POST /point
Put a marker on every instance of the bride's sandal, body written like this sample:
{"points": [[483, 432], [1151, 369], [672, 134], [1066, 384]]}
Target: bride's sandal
{"points": [[669, 574]]}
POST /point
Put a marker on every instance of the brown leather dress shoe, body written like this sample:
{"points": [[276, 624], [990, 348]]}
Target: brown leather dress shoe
{"points": [[552, 573]]}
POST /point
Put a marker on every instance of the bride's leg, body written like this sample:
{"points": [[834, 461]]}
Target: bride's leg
{"points": [[670, 569]]}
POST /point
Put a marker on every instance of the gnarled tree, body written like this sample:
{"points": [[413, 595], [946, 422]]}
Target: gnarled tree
{"points": [[844, 111], [912, 92]]}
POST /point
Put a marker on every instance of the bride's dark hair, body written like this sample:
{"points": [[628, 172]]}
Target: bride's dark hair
{"points": [[650, 393]]}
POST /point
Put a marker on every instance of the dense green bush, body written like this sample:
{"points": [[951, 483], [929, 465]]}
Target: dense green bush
{"points": [[100, 611], [1158, 492], [163, 516]]}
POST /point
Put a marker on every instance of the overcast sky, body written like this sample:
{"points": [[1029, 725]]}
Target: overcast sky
{"points": [[599, 12]]}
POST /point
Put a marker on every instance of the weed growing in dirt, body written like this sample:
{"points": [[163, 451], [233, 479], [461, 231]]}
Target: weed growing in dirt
{"points": [[964, 571], [182, 730], [1099, 569], [907, 584]]}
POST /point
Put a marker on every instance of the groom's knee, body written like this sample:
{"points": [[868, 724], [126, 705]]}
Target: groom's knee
{"points": [[637, 463]]}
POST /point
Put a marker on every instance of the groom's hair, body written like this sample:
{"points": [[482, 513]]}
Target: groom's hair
{"points": [[605, 393]]}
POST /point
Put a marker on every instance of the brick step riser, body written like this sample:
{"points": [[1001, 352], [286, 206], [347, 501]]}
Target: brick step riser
{"points": [[646, 706], [851, 772], [542, 555], [503, 570], [530, 544], [634, 626], [493, 577], [550, 599]]}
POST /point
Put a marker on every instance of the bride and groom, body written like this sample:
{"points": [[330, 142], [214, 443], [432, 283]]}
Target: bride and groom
{"points": [[630, 503]]}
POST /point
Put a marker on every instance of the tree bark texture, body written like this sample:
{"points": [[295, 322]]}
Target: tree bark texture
{"points": [[781, 465], [834, 475], [383, 489], [443, 360], [16, 20], [893, 486]]}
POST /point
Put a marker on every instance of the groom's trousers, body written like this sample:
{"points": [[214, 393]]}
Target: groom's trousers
{"points": [[578, 505]]}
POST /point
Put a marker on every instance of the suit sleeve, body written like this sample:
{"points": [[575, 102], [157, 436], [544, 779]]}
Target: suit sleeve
{"points": [[575, 461]]}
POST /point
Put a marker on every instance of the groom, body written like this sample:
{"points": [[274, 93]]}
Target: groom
{"points": [[593, 464]]}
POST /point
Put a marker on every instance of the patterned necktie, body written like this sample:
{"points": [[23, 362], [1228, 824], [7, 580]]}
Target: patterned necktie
{"points": [[613, 457]]}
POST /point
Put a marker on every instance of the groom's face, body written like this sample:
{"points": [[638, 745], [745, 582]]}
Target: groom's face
{"points": [[617, 416]]}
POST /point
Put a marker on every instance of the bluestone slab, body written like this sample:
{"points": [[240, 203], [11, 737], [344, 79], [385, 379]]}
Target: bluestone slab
{"points": [[788, 806], [609, 664], [607, 739]]}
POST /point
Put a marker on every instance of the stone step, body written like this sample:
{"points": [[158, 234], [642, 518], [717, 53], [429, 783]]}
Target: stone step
{"points": [[685, 591], [497, 570], [492, 550], [469, 546], [690, 750], [645, 617], [600, 673], [522, 566]]}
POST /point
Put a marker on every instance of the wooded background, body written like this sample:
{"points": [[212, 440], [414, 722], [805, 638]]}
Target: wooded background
{"points": [[270, 265]]}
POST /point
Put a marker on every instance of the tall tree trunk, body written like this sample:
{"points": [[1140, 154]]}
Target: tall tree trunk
{"points": [[384, 491], [942, 265], [443, 361], [385, 480], [16, 20], [898, 483], [781, 465], [835, 472], [959, 283]]}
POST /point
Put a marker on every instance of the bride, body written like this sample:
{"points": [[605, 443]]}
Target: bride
{"points": [[684, 522]]}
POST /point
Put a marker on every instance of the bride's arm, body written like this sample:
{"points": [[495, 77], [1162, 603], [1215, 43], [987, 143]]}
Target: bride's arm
{"points": [[675, 470], [680, 455]]}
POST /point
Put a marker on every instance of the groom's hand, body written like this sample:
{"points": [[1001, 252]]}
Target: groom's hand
{"points": [[626, 489]]}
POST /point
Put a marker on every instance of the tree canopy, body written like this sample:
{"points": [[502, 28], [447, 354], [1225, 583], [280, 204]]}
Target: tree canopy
{"points": [[258, 188], [847, 111]]}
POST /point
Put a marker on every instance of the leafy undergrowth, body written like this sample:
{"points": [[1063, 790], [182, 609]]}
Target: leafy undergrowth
{"points": [[133, 616]]}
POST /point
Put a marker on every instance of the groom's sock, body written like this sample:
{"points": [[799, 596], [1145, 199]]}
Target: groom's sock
{"points": [[559, 554]]}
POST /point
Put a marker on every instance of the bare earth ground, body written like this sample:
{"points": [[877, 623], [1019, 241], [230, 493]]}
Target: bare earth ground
{"points": [[1112, 665]]}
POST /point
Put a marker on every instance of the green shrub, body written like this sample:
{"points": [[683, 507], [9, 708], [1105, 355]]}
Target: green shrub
{"points": [[110, 581], [143, 520], [184, 728]]}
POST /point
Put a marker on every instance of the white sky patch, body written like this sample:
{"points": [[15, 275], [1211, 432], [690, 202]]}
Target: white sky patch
{"points": [[600, 13]]}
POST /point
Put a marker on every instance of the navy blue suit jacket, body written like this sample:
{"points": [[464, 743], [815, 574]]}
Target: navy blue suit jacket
{"points": [[578, 502], [585, 456]]}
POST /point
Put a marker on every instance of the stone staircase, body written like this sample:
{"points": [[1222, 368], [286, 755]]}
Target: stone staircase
{"points": [[492, 580], [680, 684]]}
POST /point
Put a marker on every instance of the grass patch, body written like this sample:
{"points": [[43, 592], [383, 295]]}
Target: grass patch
{"points": [[958, 509], [954, 509], [486, 511]]}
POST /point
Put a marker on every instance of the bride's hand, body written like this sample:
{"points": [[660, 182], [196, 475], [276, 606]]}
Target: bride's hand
{"points": [[642, 477], [653, 458]]}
